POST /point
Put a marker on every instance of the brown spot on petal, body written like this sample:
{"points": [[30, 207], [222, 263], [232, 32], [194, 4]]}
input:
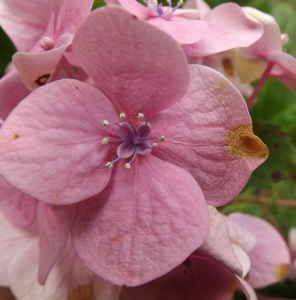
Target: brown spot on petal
{"points": [[242, 142], [228, 66], [83, 292], [281, 271], [42, 79], [16, 136], [134, 17], [56, 196]]}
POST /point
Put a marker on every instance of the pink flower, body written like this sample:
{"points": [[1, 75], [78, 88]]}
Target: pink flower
{"points": [[147, 217], [267, 51], [268, 252], [41, 31], [19, 253], [170, 19], [228, 28]]}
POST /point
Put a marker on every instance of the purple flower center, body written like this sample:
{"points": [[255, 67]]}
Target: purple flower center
{"points": [[132, 140], [156, 10]]}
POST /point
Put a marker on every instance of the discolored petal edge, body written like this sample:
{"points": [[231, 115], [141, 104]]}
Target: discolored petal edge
{"points": [[217, 245], [17, 207], [55, 224], [270, 257], [146, 221], [131, 77], [12, 91], [228, 28], [182, 30], [58, 129], [196, 130]]}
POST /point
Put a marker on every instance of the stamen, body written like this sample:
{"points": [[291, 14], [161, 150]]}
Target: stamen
{"points": [[162, 138], [105, 141], [154, 145], [140, 116], [105, 123], [122, 115], [108, 164], [128, 166], [154, 2]]}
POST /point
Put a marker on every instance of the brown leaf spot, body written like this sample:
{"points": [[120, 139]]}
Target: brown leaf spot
{"points": [[241, 142], [276, 145], [134, 17], [228, 66], [281, 271], [276, 176], [42, 79], [15, 136], [83, 292]]}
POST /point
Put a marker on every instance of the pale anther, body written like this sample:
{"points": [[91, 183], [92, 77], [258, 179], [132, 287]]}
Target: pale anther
{"points": [[128, 166], [162, 138], [108, 164], [180, 3], [169, 2], [105, 123], [154, 145], [154, 2], [122, 115], [105, 141], [140, 115]]}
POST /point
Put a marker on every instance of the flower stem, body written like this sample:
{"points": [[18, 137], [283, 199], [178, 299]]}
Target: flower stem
{"points": [[266, 201], [260, 84]]}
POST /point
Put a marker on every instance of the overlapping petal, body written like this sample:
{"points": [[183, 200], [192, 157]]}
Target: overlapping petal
{"points": [[58, 129], [143, 224], [128, 76], [229, 28], [208, 133]]}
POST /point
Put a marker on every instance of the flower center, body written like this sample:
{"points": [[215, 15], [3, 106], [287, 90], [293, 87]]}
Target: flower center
{"points": [[156, 10], [132, 140]]}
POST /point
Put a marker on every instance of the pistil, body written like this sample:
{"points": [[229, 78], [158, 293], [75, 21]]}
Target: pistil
{"points": [[133, 140]]}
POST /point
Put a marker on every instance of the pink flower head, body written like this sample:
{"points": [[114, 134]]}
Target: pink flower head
{"points": [[268, 252], [267, 51], [42, 31], [170, 19], [150, 214]]}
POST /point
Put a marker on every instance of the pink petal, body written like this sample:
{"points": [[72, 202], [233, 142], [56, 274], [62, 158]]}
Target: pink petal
{"points": [[146, 74], [229, 28], [286, 64], [199, 129], [240, 236], [201, 5], [12, 91], [182, 30], [201, 279], [270, 42], [51, 145], [135, 8], [25, 22], [217, 246], [270, 257], [18, 208], [190, 14], [71, 15], [34, 67], [55, 224], [147, 221], [246, 288]]}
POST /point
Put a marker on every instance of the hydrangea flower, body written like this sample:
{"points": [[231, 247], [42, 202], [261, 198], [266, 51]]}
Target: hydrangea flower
{"points": [[146, 212], [41, 31]]}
